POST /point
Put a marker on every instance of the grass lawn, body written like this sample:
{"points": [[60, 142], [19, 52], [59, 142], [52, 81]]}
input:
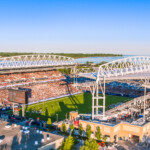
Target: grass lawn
{"points": [[62, 106]]}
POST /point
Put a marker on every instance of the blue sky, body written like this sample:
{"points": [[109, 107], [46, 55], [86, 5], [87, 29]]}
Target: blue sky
{"points": [[86, 26]]}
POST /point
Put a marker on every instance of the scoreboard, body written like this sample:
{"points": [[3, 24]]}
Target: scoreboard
{"points": [[28, 90], [18, 96]]}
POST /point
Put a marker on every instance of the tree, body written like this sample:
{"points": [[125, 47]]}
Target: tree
{"points": [[46, 112], [80, 129], [103, 62], [88, 132], [64, 127], [49, 122], [105, 138], [72, 128], [90, 145], [98, 133], [68, 143], [65, 71]]}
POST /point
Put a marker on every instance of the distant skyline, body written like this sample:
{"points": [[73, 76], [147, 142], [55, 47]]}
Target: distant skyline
{"points": [[75, 26]]}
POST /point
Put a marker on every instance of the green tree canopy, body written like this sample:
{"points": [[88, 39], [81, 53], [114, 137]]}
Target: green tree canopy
{"points": [[105, 138], [64, 127], [90, 145], [88, 132], [74, 55], [80, 129], [49, 122], [98, 133], [72, 128], [68, 143], [65, 71]]}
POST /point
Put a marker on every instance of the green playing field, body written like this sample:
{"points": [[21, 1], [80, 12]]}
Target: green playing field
{"points": [[62, 106]]}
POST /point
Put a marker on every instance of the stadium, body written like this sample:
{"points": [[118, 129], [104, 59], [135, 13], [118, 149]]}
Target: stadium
{"points": [[38, 75], [31, 81]]}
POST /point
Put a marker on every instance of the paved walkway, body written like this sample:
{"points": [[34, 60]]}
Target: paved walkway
{"points": [[127, 145]]}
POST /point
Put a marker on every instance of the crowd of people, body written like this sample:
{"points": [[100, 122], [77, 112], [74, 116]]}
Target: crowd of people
{"points": [[13, 78], [43, 84], [52, 89], [125, 89]]}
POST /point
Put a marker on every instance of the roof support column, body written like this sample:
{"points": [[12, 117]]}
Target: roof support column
{"points": [[104, 98], [144, 99], [97, 98], [93, 101], [98, 101]]}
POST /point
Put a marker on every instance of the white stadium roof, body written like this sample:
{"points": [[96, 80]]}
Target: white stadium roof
{"points": [[27, 61], [137, 67]]}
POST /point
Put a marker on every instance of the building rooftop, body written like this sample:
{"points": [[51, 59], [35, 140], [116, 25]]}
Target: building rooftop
{"points": [[18, 137]]}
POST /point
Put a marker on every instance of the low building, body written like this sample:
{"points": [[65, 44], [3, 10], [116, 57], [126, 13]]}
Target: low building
{"points": [[124, 130], [115, 132], [16, 137]]}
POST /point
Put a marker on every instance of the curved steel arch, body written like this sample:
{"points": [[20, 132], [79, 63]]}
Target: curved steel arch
{"points": [[130, 65], [24, 61], [117, 68]]}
